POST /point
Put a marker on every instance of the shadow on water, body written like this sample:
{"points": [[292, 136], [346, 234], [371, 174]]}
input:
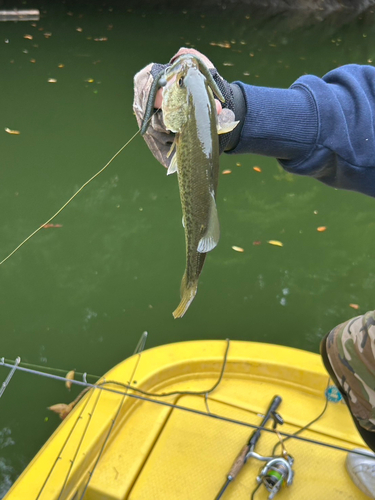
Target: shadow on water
{"points": [[80, 295]]}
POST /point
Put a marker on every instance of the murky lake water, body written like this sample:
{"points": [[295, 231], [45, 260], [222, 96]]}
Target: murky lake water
{"points": [[79, 296]]}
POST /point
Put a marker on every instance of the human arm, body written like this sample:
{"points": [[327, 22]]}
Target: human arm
{"points": [[320, 127]]}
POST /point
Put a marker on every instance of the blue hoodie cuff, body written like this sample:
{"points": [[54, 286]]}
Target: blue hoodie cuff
{"points": [[282, 123]]}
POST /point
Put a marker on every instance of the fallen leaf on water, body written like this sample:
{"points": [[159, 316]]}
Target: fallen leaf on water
{"points": [[275, 243], [224, 45], [257, 242], [90, 80], [60, 66], [33, 60], [62, 409], [227, 172], [48, 226], [13, 132], [47, 35], [238, 249], [52, 80], [257, 169], [69, 377], [354, 306], [238, 164], [321, 229], [79, 29], [101, 39], [28, 37], [228, 64]]}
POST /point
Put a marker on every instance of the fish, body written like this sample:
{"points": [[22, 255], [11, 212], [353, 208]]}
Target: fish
{"points": [[189, 111]]}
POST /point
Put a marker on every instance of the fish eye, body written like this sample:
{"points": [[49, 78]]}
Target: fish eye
{"points": [[181, 82]]}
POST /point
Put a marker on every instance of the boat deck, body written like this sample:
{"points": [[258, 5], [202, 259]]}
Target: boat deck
{"points": [[114, 447]]}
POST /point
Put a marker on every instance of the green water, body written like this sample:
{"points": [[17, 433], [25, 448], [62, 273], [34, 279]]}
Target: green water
{"points": [[80, 296]]}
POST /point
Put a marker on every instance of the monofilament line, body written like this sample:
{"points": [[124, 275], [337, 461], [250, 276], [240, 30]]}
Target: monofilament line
{"points": [[70, 199]]}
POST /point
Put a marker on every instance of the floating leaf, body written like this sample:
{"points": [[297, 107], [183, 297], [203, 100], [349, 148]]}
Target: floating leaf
{"points": [[276, 243], [228, 64], [79, 29], [28, 37], [101, 39], [257, 242], [354, 306], [47, 34], [62, 409], [321, 229], [13, 132], [224, 45], [225, 172], [257, 169], [33, 60], [69, 377], [60, 66], [238, 249], [52, 80], [47, 226], [238, 164]]}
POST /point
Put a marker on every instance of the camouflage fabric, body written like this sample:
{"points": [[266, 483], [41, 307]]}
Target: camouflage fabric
{"points": [[351, 351]]}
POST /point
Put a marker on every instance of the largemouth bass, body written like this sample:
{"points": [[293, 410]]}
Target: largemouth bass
{"points": [[189, 110]]}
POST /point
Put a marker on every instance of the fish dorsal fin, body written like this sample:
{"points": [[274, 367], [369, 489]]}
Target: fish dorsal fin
{"points": [[173, 165], [211, 237], [226, 121]]}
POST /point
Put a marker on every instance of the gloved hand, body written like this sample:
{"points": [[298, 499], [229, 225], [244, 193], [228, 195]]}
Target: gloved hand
{"points": [[159, 139]]}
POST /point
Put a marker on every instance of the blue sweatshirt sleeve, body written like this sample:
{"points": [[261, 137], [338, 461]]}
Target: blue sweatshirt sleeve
{"points": [[321, 127]]}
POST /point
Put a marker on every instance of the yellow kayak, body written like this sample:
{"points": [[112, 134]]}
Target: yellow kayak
{"points": [[114, 446]]}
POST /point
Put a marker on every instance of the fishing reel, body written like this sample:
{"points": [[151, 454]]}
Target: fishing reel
{"points": [[277, 472], [278, 469]]}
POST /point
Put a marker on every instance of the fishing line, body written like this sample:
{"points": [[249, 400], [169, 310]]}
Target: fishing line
{"points": [[91, 473], [74, 195], [187, 409]]}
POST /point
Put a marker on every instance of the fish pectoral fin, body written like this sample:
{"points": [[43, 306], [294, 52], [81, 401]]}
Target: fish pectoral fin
{"points": [[211, 237], [173, 165], [228, 127], [226, 121], [171, 148]]}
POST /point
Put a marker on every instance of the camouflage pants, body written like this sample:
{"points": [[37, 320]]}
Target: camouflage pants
{"points": [[348, 352]]}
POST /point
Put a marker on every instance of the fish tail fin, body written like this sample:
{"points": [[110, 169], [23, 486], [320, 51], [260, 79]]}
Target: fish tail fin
{"points": [[187, 296]]}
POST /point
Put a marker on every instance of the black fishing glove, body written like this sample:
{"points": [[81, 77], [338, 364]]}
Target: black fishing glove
{"points": [[235, 101]]}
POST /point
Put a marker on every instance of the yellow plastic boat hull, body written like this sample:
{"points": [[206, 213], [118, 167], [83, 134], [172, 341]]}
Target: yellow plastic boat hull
{"points": [[115, 447]]}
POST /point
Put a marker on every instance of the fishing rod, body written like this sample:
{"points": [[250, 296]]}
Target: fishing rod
{"points": [[248, 449], [147, 397]]}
